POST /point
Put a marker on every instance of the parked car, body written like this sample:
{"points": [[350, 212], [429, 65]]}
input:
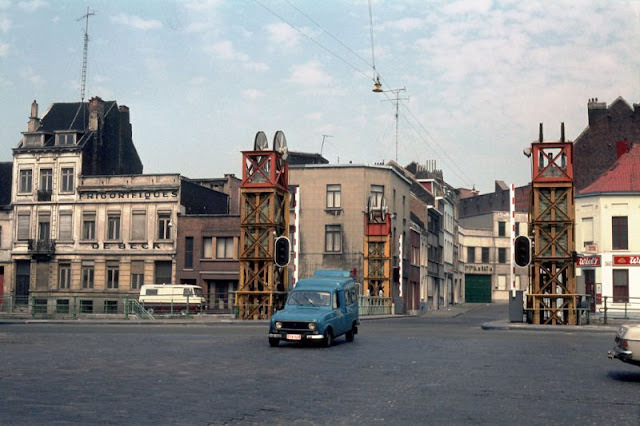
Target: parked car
{"points": [[627, 347], [318, 309]]}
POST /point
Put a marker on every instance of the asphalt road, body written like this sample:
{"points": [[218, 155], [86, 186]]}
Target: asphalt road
{"points": [[398, 371]]}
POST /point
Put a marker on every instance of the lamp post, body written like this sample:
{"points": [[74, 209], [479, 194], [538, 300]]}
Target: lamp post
{"points": [[377, 88]]}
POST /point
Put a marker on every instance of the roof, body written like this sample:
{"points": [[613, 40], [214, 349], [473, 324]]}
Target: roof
{"points": [[5, 183], [623, 176]]}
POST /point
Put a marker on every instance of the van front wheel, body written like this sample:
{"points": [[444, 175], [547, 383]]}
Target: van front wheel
{"points": [[273, 342], [328, 338]]}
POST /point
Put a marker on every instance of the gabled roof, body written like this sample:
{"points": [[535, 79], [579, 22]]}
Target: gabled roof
{"points": [[623, 176]]}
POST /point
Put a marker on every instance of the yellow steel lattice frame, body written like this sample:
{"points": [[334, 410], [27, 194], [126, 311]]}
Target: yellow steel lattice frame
{"points": [[552, 296], [377, 264], [264, 215]]}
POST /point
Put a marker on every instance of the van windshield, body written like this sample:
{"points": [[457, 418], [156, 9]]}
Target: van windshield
{"points": [[309, 298], [197, 291]]}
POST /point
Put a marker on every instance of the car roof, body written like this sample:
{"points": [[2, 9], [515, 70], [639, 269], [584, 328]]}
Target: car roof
{"points": [[325, 284]]}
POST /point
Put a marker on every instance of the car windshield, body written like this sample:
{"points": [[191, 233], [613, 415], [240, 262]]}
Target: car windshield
{"points": [[309, 298]]}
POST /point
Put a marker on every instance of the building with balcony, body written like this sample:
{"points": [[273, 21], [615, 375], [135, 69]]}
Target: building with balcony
{"points": [[88, 227]]}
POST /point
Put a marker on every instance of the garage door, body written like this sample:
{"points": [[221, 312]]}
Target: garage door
{"points": [[477, 289]]}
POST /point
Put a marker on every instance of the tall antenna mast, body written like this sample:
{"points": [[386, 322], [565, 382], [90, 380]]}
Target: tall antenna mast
{"points": [[86, 50]]}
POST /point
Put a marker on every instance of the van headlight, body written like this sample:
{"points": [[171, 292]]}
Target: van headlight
{"points": [[278, 325], [312, 326]]}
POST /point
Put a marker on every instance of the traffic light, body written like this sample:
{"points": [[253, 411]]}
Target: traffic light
{"points": [[281, 251], [522, 250]]}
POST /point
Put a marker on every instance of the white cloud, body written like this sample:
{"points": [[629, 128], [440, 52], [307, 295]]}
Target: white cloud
{"points": [[283, 35], [404, 24], [202, 5], [252, 94], [137, 22], [32, 5], [310, 74], [33, 78], [4, 48], [225, 50], [5, 24], [256, 66]]}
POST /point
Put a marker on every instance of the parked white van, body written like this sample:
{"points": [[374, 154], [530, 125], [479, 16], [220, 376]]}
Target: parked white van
{"points": [[172, 298]]}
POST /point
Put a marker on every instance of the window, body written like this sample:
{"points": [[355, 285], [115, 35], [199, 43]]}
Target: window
{"points": [[113, 275], [587, 230], [26, 181], [137, 274], [65, 139], [89, 226], [333, 239], [620, 285], [502, 226], [86, 306], [207, 248], [24, 221], [377, 192], [517, 228], [46, 180], [502, 255], [62, 306], [44, 227], [334, 196], [619, 231], [113, 226], [188, 252], [471, 255], [65, 232], [485, 254], [110, 306], [163, 272], [224, 248], [64, 275], [164, 226], [139, 226], [66, 180], [87, 276]]}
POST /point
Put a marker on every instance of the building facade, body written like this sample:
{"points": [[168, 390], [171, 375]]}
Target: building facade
{"points": [[88, 227], [608, 234], [333, 201], [486, 241]]}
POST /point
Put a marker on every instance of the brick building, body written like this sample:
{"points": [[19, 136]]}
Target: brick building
{"points": [[595, 150]]}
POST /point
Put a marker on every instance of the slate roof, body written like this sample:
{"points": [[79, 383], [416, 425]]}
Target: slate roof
{"points": [[623, 176], [5, 183]]}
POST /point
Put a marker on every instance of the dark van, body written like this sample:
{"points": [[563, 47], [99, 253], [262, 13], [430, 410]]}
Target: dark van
{"points": [[320, 308]]}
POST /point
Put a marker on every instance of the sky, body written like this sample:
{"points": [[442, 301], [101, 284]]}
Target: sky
{"points": [[471, 80]]}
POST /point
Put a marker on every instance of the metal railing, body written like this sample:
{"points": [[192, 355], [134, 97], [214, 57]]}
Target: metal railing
{"points": [[374, 305], [621, 310], [73, 307]]}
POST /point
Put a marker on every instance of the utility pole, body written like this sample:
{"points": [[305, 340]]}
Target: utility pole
{"points": [[378, 89]]}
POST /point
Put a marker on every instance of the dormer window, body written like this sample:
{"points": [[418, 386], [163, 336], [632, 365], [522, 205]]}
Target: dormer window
{"points": [[65, 139], [33, 140]]}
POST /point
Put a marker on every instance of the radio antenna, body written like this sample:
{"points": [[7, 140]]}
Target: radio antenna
{"points": [[83, 81]]}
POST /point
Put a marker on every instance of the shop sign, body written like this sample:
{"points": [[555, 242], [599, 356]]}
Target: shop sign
{"points": [[588, 262], [128, 195], [487, 269], [626, 260]]}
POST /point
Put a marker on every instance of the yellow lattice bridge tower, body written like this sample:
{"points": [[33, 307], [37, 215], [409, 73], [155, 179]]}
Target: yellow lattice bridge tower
{"points": [[264, 218]]}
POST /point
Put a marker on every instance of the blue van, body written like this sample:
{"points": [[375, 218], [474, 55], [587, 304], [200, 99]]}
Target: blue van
{"points": [[320, 309]]}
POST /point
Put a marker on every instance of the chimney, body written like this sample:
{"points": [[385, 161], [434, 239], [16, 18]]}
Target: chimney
{"points": [[596, 110], [96, 113], [34, 121], [622, 147]]}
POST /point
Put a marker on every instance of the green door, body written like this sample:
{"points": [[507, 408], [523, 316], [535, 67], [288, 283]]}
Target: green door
{"points": [[477, 288]]}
